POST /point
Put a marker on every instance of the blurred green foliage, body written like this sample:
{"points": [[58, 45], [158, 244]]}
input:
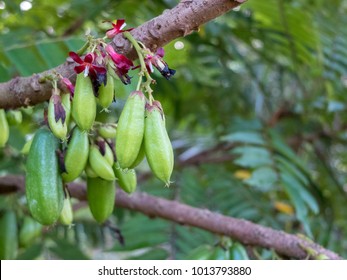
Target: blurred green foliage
{"points": [[268, 83]]}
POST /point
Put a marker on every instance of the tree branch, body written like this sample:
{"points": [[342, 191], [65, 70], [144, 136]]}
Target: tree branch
{"points": [[244, 231], [179, 21]]}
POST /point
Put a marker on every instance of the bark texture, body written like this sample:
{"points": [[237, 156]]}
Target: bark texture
{"points": [[246, 232]]}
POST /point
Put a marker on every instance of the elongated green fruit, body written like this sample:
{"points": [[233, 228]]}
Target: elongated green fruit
{"points": [[140, 156], [76, 156], [8, 235], [43, 182], [66, 215], [29, 231], [100, 165], [84, 103], [108, 131], [130, 129], [57, 116], [106, 92], [109, 154], [101, 196], [158, 146], [90, 172], [126, 178], [4, 129]]}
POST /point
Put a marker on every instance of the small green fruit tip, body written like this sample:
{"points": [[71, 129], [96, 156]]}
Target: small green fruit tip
{"points": [[167, 184]]}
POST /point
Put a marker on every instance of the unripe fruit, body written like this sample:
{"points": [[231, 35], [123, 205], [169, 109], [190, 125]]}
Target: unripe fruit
{"points": [[66, 215], [107, 131], [29, 231], [43, 182], [130, 130], [57, 116], [158, 148], [108, 154], [106, 92], [126, 178], [76, 156], [90, 172], [26, 148], [14, 117], [8, 235], [84, 103], [140, 156], [100, 165], [101, 196], [4, 129]]}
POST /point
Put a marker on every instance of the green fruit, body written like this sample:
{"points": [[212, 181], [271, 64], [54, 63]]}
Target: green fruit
{"points": [[57, 116], [29, 231], [106, 92], [158, 148], [140, 156], [101, 196], [76, 156], [126, 178], [4, 129], [14, 117], [66, 215], [100, 164], [84, 103], [130, 130], [8, 235], [107, 131], [109, 154], [26, 148], [43, 183], [90, 172]]}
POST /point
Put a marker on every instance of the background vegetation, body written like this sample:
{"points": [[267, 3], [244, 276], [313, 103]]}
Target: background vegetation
{"points": [[256, 113]]}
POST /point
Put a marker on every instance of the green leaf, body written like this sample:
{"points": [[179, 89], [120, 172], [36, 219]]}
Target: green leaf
{"points": [[296, 192], [30, 59], [247, 137], [238, 252], [67, 251], [252, 156], [31, 253], [263, 179], [154, 254], [287, 166]]}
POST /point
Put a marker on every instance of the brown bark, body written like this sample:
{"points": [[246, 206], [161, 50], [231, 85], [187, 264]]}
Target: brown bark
{"points": [[179, 21], [244, 231]]}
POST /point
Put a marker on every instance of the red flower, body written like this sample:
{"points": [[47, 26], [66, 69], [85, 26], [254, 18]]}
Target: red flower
{"points": [[122, 64], [117, 28], [86, 65]]}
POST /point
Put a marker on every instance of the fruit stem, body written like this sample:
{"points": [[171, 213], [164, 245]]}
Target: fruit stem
{"points": [[83, 48], [144, 71]]}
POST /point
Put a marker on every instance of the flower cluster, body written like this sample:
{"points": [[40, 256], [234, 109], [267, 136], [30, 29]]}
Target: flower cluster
{"points": [[95, 64]]}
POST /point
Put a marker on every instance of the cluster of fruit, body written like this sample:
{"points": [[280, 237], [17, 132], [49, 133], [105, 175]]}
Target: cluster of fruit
{"points": [[73, 144], [105, 152], [111, 154]]}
